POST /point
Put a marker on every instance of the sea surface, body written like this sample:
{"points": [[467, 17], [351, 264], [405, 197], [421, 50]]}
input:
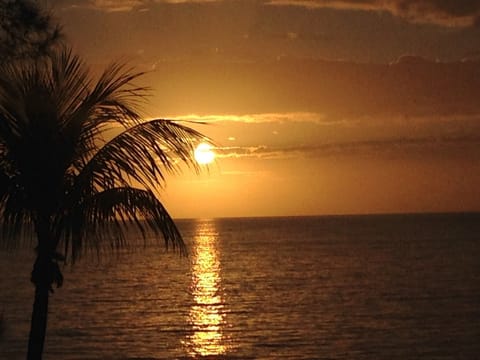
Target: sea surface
{"points": [[335, 287]]}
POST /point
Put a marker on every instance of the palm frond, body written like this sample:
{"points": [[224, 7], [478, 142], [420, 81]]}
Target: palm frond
{"points": [[144, 153], [70, 80], [115, 98], [102, 221], [15, 219]]}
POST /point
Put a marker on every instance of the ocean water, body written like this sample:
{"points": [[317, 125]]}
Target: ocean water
{"points": [[346, 287]]}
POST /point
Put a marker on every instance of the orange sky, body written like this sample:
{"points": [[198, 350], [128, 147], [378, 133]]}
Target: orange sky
{"points": [[318, 107]]}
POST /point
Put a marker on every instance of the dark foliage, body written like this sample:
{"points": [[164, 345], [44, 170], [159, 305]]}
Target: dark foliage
{"points": [[26, 30]]}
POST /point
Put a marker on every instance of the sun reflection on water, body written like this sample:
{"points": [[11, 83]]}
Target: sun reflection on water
{"points": [[207, 313]]}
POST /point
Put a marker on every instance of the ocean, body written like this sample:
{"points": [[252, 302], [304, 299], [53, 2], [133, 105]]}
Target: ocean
{"points": [[332, 287]]}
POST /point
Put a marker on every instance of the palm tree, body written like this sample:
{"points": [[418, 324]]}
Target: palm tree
{"points": [[78, 165]]}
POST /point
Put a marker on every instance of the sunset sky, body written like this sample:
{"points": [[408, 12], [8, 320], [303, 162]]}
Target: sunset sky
{"points": [[317, 106]]}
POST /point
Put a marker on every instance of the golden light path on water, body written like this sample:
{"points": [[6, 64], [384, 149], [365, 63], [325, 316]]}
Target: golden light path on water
{"points": [[207, 311]]}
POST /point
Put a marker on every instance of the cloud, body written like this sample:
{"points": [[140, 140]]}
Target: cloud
{"points": [[274, 136], [104, 5], [121, 5], [451, 13], [447, 145], [378, 136], [411, 59], [305, 117]]}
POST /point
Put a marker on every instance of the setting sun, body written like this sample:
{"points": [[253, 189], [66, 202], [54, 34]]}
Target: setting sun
{"points": [[204, 154]]}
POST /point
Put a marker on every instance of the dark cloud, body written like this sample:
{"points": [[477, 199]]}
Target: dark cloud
{"points": [[452, 145], [251, 29], [122, 5], [443, 12], [411, 59]]}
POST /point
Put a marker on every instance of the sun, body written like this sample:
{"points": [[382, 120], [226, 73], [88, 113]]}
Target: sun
{"points": [[204, 154]]}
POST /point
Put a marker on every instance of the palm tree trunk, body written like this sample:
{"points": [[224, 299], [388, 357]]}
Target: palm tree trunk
{"points": [[38, 326], [42, 279], [45, 273]]}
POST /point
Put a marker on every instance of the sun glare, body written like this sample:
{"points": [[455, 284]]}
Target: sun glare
{"points": [[204, 154]]}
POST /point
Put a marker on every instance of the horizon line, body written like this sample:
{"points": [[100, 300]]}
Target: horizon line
{"points": [[410, 213]]}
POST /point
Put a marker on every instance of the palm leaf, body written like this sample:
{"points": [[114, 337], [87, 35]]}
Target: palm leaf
{"points": [[101, 221], [143, 153]]}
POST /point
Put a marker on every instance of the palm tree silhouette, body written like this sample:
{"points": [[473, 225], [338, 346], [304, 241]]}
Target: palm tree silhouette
{"points": [[78, 165]]}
